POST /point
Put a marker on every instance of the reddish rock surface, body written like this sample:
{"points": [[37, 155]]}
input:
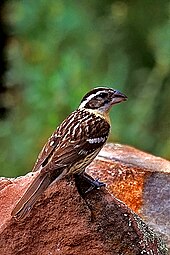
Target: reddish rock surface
{"points": [[65, 222], [140, 180]]}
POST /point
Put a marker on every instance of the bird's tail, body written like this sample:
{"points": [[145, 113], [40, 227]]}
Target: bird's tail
{"points": [[39, 185]]}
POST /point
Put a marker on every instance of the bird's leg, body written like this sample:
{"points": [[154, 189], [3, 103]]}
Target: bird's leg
{"points": [[95, 183]]}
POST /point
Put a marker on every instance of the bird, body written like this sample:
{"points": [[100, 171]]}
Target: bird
{"points": [[72, 146]]}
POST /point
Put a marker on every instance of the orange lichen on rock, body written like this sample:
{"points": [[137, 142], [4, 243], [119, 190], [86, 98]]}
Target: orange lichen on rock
{"points": [[130, 190], [126, 172], [124, 182]]}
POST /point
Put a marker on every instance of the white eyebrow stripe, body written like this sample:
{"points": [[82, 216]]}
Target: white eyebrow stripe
{"points": [[89, 98]]}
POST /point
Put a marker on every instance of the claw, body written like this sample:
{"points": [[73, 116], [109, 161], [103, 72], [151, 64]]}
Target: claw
{"points": [[95, 184]]}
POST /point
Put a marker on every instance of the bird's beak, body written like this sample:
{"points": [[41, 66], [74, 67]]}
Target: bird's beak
{"points": [[118, 97]]}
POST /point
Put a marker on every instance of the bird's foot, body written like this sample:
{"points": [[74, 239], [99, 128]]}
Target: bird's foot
{"points": [[94, 183]]}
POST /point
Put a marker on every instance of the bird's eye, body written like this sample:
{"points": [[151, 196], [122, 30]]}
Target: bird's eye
{"points": [[103, 95]]}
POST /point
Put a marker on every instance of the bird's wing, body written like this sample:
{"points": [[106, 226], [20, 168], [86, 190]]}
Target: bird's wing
{"points": [[47, 151], [62, 151], [73, 142]]}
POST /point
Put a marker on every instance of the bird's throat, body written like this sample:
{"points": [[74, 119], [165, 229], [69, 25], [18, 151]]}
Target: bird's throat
{"points": [[101, 114]]}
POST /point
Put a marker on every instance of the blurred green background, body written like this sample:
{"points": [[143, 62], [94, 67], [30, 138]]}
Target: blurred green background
{"points": [[58, 50]]}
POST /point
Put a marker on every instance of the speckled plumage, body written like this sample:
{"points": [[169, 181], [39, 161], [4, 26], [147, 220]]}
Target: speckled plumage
{"points": [[73, 145], [70, 144]]}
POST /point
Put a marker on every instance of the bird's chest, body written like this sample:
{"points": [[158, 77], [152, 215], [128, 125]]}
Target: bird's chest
{"points": [[80, 166]]}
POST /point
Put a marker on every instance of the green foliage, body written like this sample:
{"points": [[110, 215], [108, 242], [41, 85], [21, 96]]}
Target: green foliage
{"points": [[61, 49]]}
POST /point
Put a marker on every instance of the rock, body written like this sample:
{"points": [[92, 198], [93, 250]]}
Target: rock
{"points": [[140, 180], [66, 221]]}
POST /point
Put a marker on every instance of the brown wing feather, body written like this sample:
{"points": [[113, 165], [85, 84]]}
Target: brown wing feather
{"points": [[68, 145], [46, 151], [76, 143]]}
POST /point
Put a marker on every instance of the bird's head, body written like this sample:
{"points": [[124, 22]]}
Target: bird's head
{"points": [[102, 99]]}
